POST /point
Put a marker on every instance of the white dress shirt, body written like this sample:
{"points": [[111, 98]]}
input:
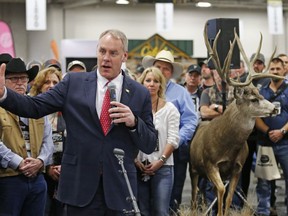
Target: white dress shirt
{"points": [[102, 87]]}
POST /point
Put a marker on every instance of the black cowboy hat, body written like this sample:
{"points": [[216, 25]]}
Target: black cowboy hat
{"points": [[5, 58], [16, 65]]}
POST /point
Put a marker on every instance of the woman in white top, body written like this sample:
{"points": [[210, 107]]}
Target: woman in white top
{"points": [[156, 175], [44, 81]]}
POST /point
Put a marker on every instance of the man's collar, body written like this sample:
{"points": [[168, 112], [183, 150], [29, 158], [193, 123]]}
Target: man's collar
{"points": [[103, 81]]}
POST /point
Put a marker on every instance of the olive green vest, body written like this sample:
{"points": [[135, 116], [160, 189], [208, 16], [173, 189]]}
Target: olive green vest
{"points": [[11, 135]]}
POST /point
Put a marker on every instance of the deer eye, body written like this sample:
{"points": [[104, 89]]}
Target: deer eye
{"points": [[254, 100]]}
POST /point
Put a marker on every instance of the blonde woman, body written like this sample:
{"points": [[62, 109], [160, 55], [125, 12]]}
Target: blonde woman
{"points": [[156, 177], [44, 81]]}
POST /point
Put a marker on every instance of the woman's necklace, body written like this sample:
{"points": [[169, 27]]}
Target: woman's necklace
{"points": [[156, 108]]}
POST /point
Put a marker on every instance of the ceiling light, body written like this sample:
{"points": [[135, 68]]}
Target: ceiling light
{"points": [[203, 4], [122, 2]]}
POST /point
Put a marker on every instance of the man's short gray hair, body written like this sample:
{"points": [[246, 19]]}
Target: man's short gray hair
{"points": [[118, 35]]}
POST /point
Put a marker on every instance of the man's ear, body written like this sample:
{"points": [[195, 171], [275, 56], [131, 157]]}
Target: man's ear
{"points": [[125, 57]]}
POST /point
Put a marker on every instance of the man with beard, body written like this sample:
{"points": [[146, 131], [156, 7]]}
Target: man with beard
{"points": [[207, 75], [272, 132], [284, 58]]}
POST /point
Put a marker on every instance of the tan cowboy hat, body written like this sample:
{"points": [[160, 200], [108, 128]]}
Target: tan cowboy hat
{"points": [[165, 56]]}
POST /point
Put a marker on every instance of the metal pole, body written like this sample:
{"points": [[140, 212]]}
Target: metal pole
{"points": [[119, 154]]}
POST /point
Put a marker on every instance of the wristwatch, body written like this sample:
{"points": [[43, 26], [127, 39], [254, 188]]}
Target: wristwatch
{"points": [[216, 107], [283, 131], [163, 158]]}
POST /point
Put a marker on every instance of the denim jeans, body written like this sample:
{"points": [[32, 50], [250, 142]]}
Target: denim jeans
{"points": [[154, 194], [180, 170], [263, 188], [23, 196]]}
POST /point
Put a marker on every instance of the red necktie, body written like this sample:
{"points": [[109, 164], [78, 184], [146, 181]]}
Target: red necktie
{"points": [[104, 117]]}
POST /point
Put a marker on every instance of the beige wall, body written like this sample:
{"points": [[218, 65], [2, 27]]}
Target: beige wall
{"points": [[138, 22]]}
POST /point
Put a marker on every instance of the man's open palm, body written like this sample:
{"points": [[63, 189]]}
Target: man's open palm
{"points": [[2, 79]]}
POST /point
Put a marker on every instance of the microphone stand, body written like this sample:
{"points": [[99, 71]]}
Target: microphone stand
{"points": [[119, 154]]}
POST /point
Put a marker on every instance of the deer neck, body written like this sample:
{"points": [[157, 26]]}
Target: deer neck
{"points": [[238, 117]]}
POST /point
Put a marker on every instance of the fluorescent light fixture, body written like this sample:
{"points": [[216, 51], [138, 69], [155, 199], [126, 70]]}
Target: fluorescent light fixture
{"points": [[122, 2], [203, 4]]}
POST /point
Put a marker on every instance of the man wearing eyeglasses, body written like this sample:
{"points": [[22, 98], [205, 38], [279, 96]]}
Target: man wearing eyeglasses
{"points": [[26, 147]]}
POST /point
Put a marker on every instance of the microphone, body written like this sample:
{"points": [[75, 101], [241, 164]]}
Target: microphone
{"points": [[112, 90], [118, 152]]}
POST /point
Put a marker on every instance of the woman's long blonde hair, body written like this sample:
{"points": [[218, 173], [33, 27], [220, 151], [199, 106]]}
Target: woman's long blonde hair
{"points": [[158, 75]]}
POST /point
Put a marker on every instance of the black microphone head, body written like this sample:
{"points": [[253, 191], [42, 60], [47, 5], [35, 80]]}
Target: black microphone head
{"points": [[112, 90], [118, 151]]}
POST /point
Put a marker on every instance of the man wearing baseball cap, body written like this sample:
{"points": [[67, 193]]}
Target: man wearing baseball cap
{"points": [[76, 66], [52, 63], [192, 85], [259, 62]]}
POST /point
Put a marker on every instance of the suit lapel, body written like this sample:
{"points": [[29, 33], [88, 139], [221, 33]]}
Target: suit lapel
{"points": [[127, 91], [90, 89]]}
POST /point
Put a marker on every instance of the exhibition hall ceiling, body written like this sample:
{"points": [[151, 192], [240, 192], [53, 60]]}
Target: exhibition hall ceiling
{"points": [[249, 4]]}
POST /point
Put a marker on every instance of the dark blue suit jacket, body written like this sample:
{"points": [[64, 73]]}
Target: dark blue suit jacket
{"points": [[87, 151]]}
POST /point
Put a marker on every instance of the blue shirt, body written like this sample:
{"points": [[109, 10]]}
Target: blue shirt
{"points": [[180, 97], [275, 122]]}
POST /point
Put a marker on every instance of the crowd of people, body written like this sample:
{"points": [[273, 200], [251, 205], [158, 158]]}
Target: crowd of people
{"points": [[59, 133]]}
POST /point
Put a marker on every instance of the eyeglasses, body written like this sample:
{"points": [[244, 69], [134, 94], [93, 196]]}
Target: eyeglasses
{"points": [[15, 79]]}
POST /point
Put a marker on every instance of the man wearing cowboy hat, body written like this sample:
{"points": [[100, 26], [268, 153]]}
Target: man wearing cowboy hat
{"points": [[5, 58], [26, 147], [176, 94]]}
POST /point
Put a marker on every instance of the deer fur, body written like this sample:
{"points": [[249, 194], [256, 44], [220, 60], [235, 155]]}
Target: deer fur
{"points": [[219, 148]]}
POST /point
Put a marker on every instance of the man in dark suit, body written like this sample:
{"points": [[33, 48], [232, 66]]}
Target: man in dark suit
{"points": [[90, 181]]}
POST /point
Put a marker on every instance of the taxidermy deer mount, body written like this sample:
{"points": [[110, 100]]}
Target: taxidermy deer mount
{"points": [[219, 149]]}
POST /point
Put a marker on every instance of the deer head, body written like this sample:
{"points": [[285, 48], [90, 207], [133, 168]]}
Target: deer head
{"points": [[252, 103]]}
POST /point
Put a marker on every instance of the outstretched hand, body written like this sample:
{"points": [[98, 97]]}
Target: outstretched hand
{"points": [[2, 79]]}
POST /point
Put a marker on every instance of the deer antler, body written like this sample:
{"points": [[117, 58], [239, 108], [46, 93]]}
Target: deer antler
{"points": [[251, 73], [224, 71]]}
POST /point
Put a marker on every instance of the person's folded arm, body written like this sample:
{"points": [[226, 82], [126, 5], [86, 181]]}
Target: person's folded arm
{"points": [[47, 146]]}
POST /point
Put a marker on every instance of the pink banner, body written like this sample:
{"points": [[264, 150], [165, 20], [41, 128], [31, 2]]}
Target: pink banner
{"points": [[6, 39]]}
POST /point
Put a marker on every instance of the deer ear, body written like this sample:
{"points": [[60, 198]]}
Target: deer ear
{"points": [[238, 94]]}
